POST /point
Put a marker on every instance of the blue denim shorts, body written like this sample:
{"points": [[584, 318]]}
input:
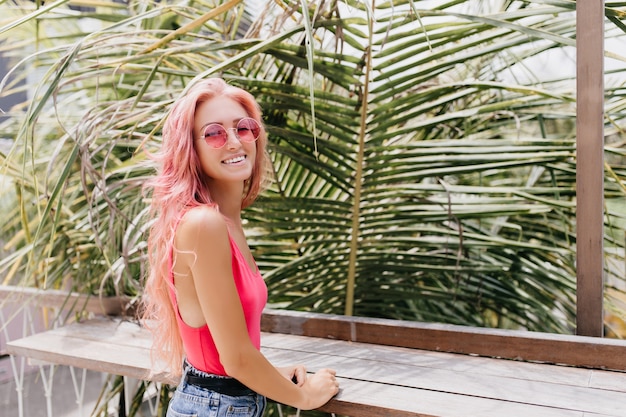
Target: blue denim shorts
{"points": [[193, 401]]}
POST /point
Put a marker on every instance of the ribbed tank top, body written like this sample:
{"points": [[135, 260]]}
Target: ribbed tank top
{"points": [[198, 343]]}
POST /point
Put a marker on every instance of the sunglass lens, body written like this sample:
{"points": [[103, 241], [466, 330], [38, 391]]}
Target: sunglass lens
{"points": [[248, 130], [215, 136]]}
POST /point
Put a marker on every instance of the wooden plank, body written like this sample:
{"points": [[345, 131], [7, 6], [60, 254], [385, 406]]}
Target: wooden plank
{"points": [[376, 380], [103, 357], [518, 345], [63, 350], [67, 349], [607, 381], [365, 399], [589, 166], [108, 330], [391, 367], [456, 363], [102, 344]]}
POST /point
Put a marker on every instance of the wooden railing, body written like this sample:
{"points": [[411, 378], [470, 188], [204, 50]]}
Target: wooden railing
{"points": [[390, 368]]}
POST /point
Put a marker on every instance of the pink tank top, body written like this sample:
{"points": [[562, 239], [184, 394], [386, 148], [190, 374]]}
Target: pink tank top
{"points": [[197, 341]]}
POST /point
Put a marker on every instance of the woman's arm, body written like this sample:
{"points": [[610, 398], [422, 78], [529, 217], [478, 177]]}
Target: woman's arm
{"points": [[203, 247]]}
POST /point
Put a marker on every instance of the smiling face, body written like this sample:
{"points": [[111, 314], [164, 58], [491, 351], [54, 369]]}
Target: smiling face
{"points": [[235, 160]]}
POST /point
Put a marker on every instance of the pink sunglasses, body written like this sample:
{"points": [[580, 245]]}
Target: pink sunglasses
{"points": [[216, 135]]}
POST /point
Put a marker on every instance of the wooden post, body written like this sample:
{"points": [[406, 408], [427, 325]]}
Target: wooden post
{"points": [[589, 166]]}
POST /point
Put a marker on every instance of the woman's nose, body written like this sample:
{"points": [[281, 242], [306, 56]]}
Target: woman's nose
{"points": [[233, 141]]}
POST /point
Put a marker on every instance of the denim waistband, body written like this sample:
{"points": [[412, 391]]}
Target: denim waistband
{"points": [[220, 384]]}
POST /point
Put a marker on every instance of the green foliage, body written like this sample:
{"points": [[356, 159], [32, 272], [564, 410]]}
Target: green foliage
{"points": [[424, 164], [423, 152]]}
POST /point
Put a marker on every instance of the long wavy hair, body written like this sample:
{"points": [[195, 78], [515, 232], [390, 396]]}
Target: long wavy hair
{"points": [[180, 184]]}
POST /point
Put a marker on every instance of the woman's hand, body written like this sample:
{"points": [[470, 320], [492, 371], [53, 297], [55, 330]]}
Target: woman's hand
{"points": [[320, 387], [296, 373]]}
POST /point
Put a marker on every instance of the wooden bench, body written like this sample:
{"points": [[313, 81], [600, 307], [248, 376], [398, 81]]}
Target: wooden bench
{"points": [[390, 368]]}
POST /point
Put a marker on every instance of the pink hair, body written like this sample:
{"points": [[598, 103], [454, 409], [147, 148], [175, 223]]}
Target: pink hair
{"points": [[179, 185]]}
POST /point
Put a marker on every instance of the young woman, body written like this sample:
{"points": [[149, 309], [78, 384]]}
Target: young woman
{"points": [[204, 295]]}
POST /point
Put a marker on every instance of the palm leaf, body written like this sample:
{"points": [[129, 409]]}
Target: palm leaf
{"points": [[420, 170]]}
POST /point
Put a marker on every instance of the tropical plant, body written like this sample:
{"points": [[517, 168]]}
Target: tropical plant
{"points": [[423, 154]]}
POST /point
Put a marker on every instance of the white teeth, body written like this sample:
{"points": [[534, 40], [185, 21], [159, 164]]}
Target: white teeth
{"points": [[234, 160]]}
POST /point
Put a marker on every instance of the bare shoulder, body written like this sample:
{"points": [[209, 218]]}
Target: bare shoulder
{"points": [[201, 224], [202, 216]]}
